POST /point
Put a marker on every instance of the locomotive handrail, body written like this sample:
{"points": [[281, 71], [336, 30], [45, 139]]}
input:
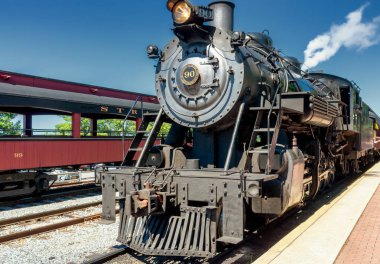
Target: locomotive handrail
{"points": [[163, 183], [355, 85], [268, 54], [150, 175], [150, 136], [278, 92], [317, 83], [125, 120], [268, 167], [234, 134], [291, 75]]}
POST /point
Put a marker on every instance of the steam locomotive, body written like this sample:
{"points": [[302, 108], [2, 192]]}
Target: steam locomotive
{"points": [[252, 137]]}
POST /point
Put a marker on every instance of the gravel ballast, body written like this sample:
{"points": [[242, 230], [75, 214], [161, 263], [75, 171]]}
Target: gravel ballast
{"points": [[7, 212], [74, 244]]}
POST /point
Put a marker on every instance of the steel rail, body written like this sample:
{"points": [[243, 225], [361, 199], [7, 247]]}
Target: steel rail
{"points": [[25, 218], [48, 228], [67, 184], [103, 258], [58, 193]]}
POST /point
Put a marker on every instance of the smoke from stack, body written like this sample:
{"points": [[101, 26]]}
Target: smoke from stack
{"points": [[354, 33]]}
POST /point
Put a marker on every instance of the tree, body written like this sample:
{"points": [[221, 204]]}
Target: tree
{"points": [[114, 127], [165, 129], [8, 126], [65, 127], [106, 127]]}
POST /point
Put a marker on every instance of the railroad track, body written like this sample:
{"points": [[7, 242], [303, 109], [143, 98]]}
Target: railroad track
{"points": [[66, 191], [219, 258], [49, 227], [30, 217], [68, 184], [103, 258]]}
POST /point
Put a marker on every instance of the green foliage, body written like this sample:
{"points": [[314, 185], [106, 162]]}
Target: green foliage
{"points": [[8, 126], [165, 128], [106, 127], [114, 127], [65, 127]]}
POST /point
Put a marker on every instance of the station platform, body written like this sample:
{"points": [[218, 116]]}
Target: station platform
{"points": [[345, 230]]}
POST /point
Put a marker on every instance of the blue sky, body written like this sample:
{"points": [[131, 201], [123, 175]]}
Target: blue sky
{"points": [[103, 42]]}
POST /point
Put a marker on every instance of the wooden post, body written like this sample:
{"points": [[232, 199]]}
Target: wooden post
{"points": [[28, 125], [75, 125], [94, 127]]}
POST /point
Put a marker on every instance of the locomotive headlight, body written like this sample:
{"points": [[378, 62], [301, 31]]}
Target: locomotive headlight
{"points": [[184, 12], [181, 12]]}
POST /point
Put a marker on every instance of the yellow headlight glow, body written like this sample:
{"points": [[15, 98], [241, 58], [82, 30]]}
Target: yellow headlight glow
{"points": [[181, 12]]}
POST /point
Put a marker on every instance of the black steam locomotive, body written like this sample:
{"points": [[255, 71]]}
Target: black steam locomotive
{"points": [[252, 136]]}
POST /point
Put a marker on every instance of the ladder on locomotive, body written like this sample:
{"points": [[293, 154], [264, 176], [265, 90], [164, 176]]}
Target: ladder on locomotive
{"points": [[273, 111], [151, 136]]}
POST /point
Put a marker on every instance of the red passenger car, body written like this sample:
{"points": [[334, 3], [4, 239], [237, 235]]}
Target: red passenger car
{"points": [[24, 158]]}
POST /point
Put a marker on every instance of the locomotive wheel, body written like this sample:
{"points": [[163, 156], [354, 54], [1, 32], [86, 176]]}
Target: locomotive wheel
{"points": [[42, 183], [322, 185], [347, 167], [331, 179]]}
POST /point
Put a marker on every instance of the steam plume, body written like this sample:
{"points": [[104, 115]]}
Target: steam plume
{"points": [[352, 34]]}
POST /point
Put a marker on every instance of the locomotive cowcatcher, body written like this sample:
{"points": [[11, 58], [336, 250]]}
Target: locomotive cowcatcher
{"points": [[252, 136]]}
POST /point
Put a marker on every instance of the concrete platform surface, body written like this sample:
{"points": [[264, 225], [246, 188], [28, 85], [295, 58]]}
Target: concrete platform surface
{"points": [[322, 237]]}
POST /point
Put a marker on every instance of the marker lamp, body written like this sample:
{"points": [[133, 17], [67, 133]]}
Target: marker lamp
{"points": [[170, 4]]}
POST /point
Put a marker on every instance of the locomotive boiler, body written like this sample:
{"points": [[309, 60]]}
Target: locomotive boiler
{"points": [[252, 136]]}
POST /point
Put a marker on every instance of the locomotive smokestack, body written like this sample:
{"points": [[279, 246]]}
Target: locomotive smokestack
{"points": [[223, 15]]}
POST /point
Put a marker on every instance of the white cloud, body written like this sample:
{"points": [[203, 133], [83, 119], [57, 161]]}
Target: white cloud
{"points": [[354, 33]]}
